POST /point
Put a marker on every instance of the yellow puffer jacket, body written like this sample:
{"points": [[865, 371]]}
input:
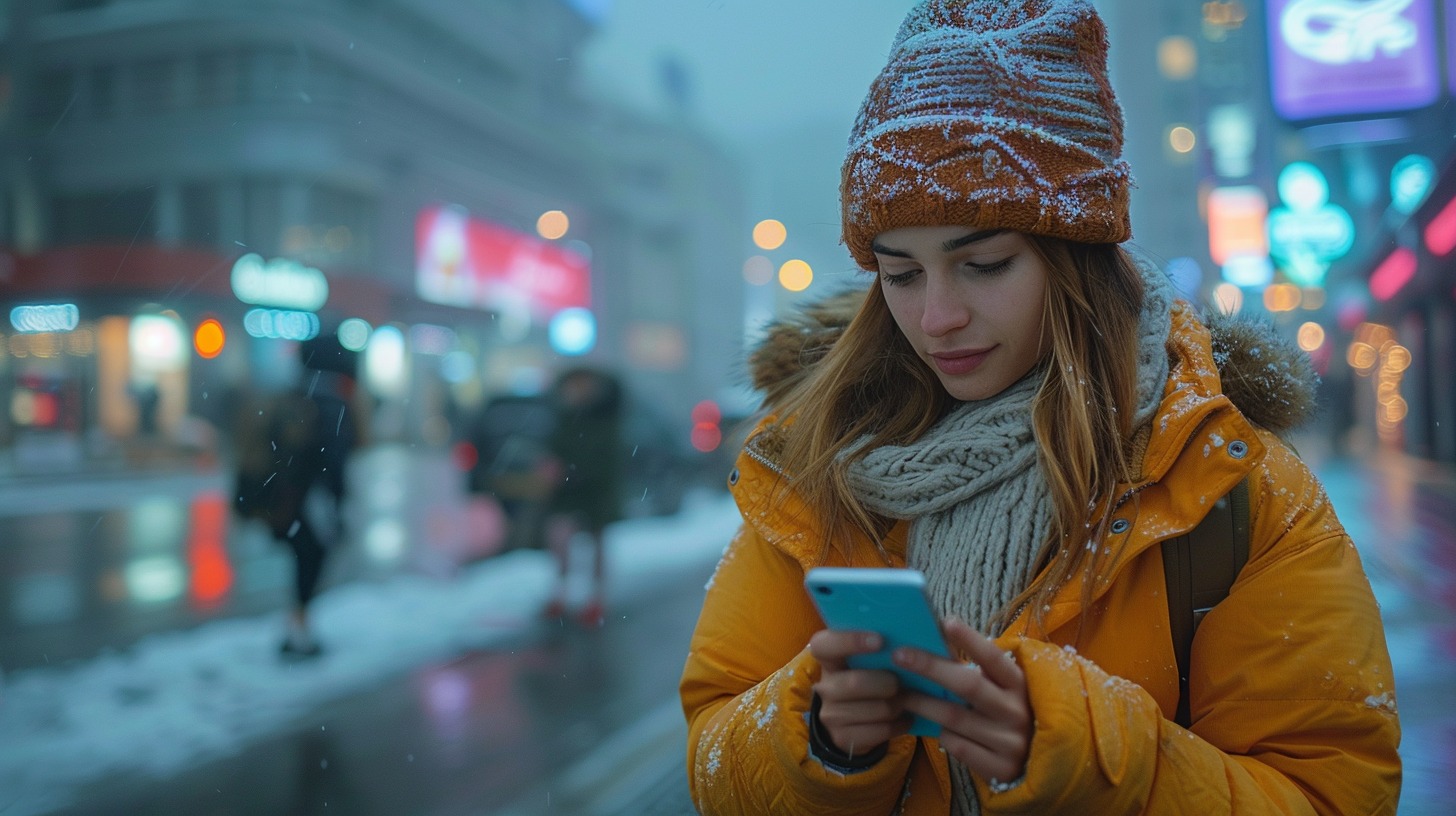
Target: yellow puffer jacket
{"points": [[1291, 691]]}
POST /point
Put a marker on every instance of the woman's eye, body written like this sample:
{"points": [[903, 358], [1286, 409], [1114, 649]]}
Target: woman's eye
{"points": [[992, 268], [901, 278]]}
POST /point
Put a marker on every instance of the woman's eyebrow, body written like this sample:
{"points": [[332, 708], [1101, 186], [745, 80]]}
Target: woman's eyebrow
{"points": [[949, 246], [957, 243]]}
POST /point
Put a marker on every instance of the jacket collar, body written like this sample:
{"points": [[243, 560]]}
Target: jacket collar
{"points": [[1179, 475]]}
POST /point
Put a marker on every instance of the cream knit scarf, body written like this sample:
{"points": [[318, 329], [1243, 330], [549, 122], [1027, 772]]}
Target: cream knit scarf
{"points": [[977, 498]]}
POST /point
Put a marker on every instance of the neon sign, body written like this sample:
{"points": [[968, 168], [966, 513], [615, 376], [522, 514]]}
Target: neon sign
{"points": [[281, 324], [1338, 32], [465, 261], [1343, 58], [61, 317], [281, 282]]}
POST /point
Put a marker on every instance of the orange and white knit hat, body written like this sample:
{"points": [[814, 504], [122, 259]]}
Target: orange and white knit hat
{"points": [[990, 113]]}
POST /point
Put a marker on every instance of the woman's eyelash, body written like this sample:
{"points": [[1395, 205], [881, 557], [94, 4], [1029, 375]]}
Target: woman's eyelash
{"points": [[983, 269], [992, 269]]}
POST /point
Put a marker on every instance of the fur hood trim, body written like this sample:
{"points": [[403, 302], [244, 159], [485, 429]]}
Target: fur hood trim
{"points": [[1268, 378]]}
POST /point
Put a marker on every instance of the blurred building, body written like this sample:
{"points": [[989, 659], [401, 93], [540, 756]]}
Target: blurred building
{"points": [[1283, 150], [420, 175]]}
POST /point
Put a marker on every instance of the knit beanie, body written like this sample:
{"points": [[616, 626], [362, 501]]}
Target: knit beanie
{"points": [[990, 113]]}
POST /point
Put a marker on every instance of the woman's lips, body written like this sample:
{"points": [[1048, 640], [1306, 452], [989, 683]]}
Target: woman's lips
{"points": [[952, 363]]}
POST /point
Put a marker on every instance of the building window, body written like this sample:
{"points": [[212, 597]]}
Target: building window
{"points": [[55, 91], [201, 215], [219, 80], [103, 217], [104, 91], [154, 86]]}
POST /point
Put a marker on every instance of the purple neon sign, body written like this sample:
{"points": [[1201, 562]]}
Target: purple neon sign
{"points": [[1350, 57], [1451, 45]]}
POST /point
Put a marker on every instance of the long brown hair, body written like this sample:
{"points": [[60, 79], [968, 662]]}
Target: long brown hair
{"points": [[872, 384]]}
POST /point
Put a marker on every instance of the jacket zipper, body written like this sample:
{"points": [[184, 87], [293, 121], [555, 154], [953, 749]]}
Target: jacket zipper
{"points": [[763, 460]]}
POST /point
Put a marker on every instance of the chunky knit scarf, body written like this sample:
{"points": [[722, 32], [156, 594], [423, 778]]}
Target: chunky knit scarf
{"points": [[976, 496]]}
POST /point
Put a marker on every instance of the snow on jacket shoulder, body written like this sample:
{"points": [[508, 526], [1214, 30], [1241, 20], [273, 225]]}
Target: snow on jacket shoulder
{"points": [[1291, 692]]}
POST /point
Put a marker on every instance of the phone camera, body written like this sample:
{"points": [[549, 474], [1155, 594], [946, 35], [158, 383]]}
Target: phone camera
{"points": [[824, 590]]}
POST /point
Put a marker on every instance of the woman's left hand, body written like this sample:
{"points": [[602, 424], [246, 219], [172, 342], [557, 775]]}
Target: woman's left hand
{"points": [[991, 733]]}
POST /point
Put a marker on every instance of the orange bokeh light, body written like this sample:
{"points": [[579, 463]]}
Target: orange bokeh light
{"points": [[209, 339]]}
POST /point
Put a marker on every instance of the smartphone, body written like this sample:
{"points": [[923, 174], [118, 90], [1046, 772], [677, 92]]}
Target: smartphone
{"points": [[892, 603]]}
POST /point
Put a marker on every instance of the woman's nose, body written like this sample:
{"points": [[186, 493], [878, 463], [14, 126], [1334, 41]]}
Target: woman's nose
{"points": [[944, 310]]}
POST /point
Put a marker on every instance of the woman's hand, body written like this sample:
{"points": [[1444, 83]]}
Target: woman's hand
{"points": [[991, 733], [860, 709]]}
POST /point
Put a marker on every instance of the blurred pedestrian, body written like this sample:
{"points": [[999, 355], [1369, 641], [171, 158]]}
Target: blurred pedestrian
{"points": [[292, 462], [1021, 410], [586, 446]]}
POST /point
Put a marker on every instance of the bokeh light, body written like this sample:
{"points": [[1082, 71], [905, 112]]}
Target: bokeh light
{"points": [[573, 331], [1228, 298], [796, 275], [1311, 336], [209, 339], [770, 234], [758, 270], [552, 225], [1177, 57], [354, 334], [1181, 139]]}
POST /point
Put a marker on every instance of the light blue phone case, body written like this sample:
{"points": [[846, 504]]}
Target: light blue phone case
{"points": [[892, 603]]}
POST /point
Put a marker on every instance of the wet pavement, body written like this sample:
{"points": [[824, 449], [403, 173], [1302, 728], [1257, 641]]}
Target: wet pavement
{"points": [[505, 731], [92, 564], [560, 719]]}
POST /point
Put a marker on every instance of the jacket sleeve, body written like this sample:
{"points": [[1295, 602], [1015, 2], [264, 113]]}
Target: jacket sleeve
{"points": [[746, 692], [1291, 690]]}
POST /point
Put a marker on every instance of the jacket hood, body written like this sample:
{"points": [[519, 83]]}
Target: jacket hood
{"points": [[1269, 379]]}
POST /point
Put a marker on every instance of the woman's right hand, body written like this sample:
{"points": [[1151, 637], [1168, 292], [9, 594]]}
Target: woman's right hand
{"points": [[860, 709]]}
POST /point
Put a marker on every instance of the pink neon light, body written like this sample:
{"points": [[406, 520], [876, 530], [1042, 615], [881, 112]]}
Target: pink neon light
{"points": [[1441, 232], [1393, 274]]}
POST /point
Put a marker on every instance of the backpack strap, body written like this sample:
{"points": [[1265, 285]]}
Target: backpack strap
{"points": [[1200, 567]]}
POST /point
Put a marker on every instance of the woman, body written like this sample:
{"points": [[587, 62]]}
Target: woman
{"points": [[1023, 413]]}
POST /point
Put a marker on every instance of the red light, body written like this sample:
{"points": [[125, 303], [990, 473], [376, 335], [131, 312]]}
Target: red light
{"points": [[706, 437], [466, 456], [1393, 273], [212, 574], [708, 412], [1441, 232], [47, 409]]}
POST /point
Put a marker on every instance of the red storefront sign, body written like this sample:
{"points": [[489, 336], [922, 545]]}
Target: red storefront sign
{"points": [[464, 261]]}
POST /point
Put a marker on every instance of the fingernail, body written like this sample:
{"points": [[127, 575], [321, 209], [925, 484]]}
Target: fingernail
{"points": [[872, 641], [904, 657]]}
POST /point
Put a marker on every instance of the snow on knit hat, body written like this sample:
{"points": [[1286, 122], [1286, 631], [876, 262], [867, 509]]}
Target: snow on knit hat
{"points": [[990, 113]]}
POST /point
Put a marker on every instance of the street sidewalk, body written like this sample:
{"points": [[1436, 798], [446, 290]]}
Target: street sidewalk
{"points": [[178, 699]]}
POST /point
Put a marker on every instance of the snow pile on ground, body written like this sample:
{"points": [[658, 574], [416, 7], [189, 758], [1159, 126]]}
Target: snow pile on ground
{"points": [[181, 698]]}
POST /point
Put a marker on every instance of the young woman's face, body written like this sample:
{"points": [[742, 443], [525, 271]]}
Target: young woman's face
{"points": [[968, 300]]}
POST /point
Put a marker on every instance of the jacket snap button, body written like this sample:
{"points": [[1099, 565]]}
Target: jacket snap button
{"points": [[733, 477], [1120, 526], [1237, 449]]}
